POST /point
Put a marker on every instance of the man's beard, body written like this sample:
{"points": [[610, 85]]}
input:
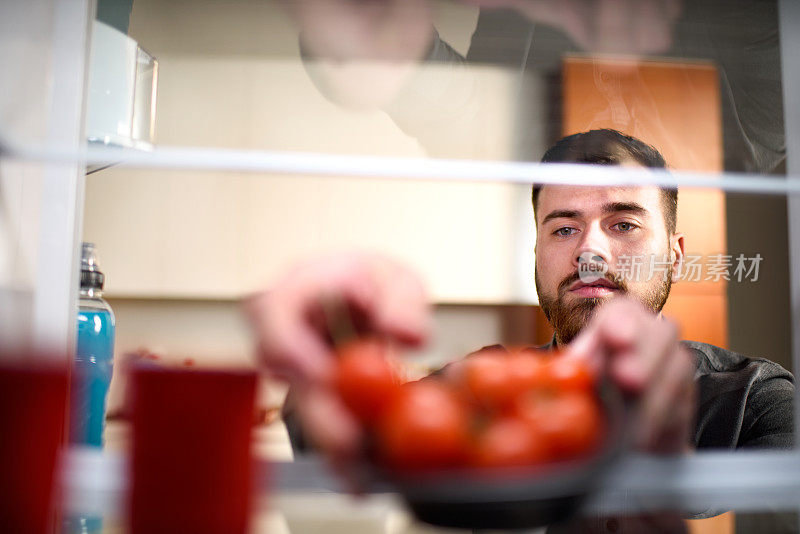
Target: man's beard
{"points": [[569, 319]]}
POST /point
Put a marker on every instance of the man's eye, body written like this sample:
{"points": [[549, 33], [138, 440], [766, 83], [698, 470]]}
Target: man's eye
{"points": [[625, 226], [564, 232]]}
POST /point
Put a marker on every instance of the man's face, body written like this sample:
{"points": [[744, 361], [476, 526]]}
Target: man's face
{"points": [[588, 241]]}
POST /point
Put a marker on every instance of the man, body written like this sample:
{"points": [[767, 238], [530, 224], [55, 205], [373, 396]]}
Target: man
{"points": [[742, 402], [608, 319]]}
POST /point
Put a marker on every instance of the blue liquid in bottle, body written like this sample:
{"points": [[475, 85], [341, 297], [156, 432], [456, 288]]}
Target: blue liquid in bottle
{"points": [[91, 373]]}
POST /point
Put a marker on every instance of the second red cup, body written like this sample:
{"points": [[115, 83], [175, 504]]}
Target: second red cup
{"points": [[191, 459]]}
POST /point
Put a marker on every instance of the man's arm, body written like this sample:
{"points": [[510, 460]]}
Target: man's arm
{"points": [[769, 415]]}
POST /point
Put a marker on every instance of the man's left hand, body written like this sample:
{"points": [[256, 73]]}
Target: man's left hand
{"points": [[642, 354]]}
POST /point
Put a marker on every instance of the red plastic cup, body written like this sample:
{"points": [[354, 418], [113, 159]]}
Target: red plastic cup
{"points": [[33, 406], [191, 456]]}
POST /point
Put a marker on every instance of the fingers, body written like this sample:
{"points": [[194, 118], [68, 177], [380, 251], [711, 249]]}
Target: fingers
{"points": [[642, 354], [331, 429], [639, 363], [667, 411], [612, 342], [629, 342], [327, 423], [287, 345], [389, 297], [400, 305]]}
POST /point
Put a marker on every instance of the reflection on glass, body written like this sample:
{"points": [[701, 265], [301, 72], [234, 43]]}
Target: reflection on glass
{"points": [[487, 80]]}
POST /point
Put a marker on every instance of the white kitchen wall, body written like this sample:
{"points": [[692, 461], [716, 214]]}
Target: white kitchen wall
{"points": [[215, 332], [216, 235], [230, 76]]}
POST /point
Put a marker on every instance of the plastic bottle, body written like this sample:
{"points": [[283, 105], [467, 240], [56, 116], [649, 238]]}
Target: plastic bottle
{"points": [[94, 356], [92, 371]]}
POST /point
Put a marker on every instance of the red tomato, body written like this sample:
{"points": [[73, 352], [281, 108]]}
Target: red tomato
{"points": [[571, 422], [426, 425], [366, 379], [527, 372], [486, 380], [509, 442], [570, 374]]}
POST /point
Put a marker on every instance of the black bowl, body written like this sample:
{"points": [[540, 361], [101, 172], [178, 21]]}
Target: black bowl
{"points": [[512, 498]]}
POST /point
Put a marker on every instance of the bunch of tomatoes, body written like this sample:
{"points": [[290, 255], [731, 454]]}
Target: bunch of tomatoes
{"points": [[496, 408]]}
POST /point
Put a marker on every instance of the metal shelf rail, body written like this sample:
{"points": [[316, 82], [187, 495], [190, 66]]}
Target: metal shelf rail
{"points": [[382, 167], [95, 482]]}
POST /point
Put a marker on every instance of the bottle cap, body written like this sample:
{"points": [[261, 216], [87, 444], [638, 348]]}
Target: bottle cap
{"points": [[91, 276]]}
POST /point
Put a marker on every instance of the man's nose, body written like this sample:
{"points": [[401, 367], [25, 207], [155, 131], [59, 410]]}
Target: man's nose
{"points": [[593, 246]]}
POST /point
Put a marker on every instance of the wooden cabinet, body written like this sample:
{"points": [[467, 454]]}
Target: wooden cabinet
{"points": [[675, 107]]}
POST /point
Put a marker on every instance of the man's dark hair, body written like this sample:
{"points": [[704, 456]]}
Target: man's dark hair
{"points": [[610, 147]]}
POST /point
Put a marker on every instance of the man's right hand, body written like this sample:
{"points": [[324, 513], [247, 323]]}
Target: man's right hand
{"points": [[293, 330]]}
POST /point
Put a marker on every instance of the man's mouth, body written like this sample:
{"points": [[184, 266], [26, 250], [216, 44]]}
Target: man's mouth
{"points": [[596, 289]]}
